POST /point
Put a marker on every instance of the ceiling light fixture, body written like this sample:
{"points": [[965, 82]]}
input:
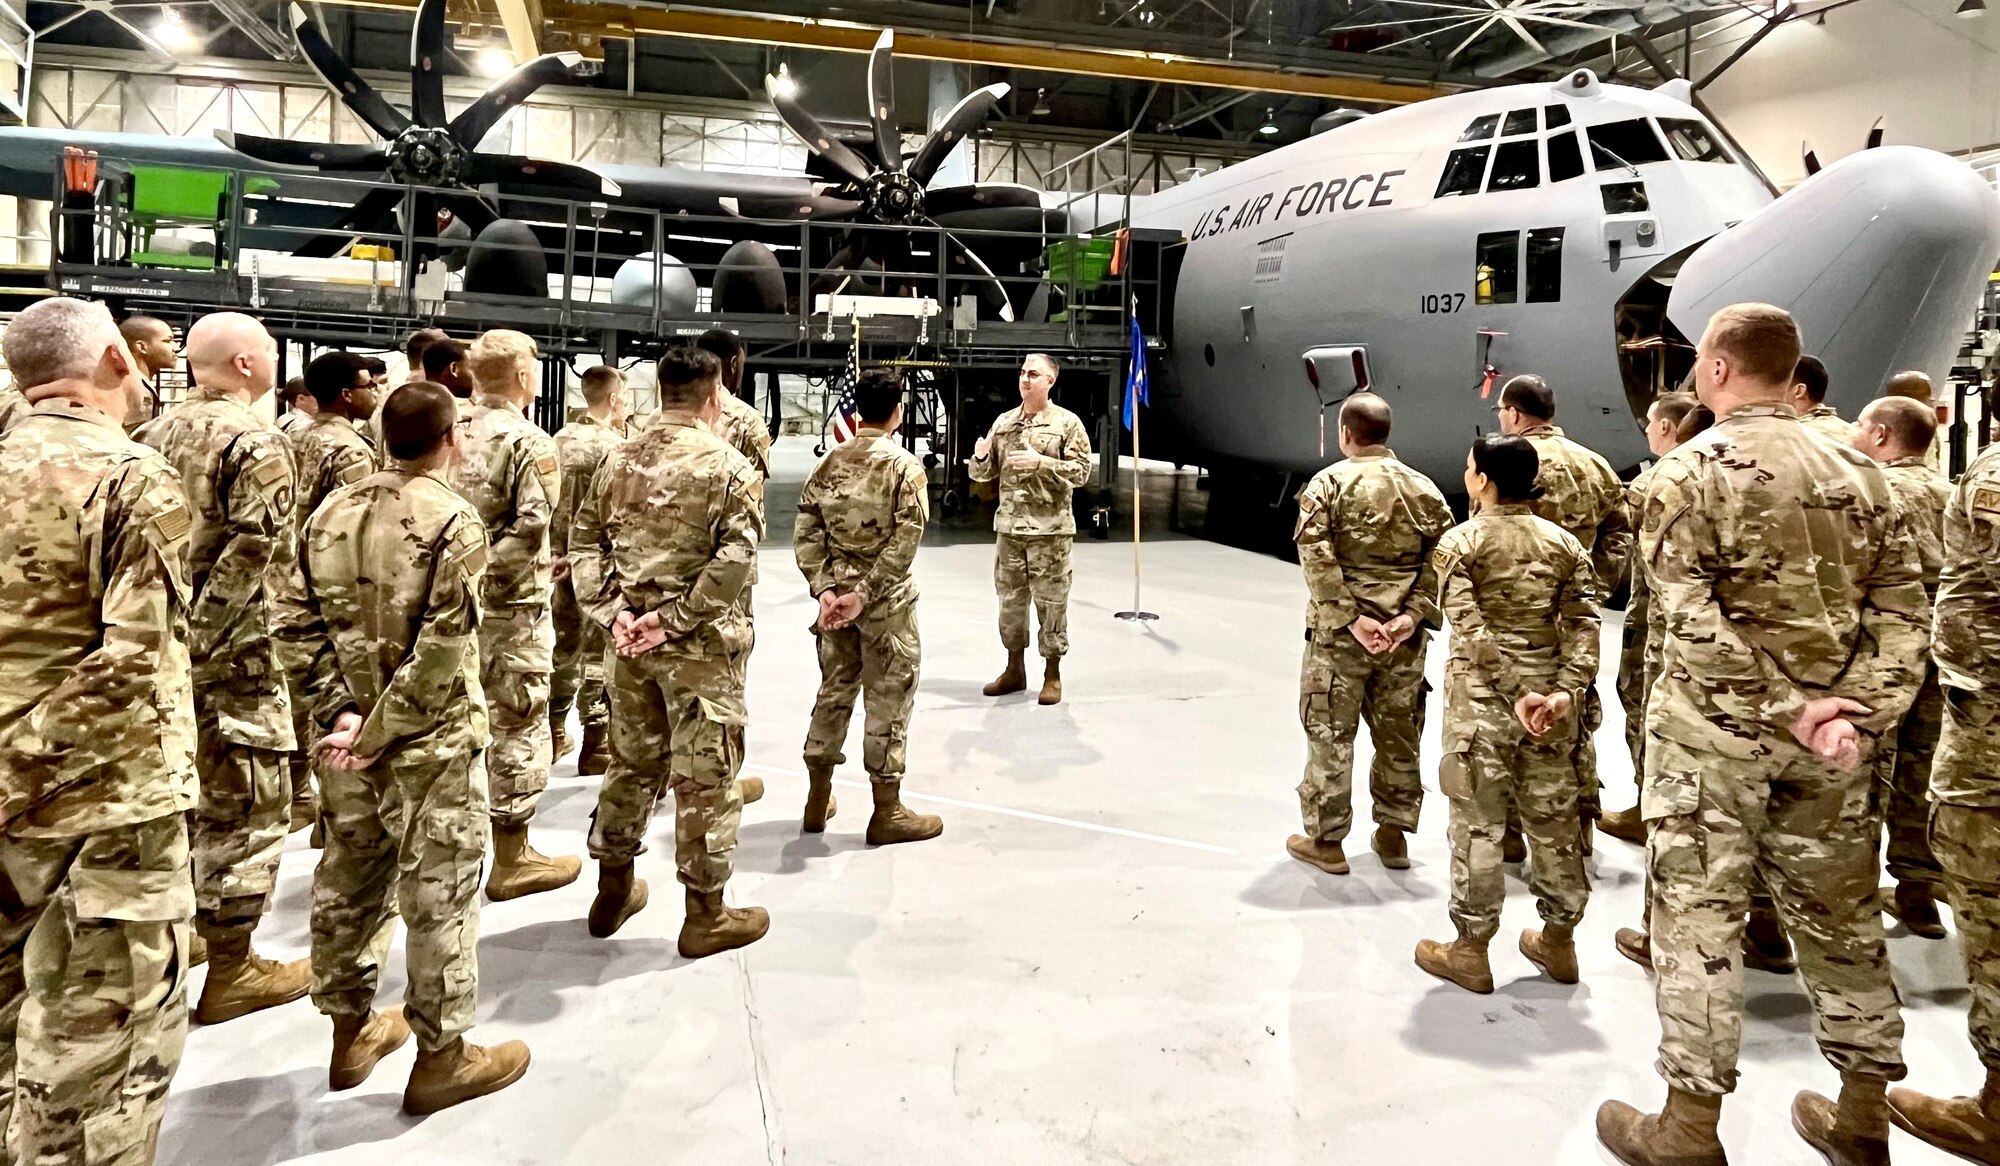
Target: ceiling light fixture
{"points": [[493, 62], [1971, 8], [1270, 127], [783, 85], [173, 32], [1041, 104]]}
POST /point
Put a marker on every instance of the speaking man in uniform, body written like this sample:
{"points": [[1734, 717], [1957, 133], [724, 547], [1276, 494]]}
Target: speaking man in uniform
{"points": [[582, 446], [1039, 453], [152, 342]]}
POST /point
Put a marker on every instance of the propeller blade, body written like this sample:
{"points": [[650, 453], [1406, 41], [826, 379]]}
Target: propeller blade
{"points": [[995, 286], [815, 206], [947, 200], [882, 102], [468, 129], [427, 65], [1811, 159], [1875, 134], [518, 171], [374, 111], [369, 214], [965, 117], [814, 135], [306, 155]]}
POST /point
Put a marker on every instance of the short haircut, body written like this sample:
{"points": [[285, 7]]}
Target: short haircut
{"points": [[497, 355], [1366, 416], [877, 394], [1810, 371], [1912, 384], [688, 375], [376, 366], [441, 355], [1699, 418], [1672, 408], [416, 418], [333, 373], [600, 382], [1531, 395], [1512, 465], [1759, 341], [418, 343], [57, 338], [1055, 366], [1912, 425], [137, 328], [296, 388], [721, 343]]}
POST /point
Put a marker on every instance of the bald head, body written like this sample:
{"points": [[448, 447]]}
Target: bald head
{"points": [[1912, 384], [1895, 427], [62, 347], [1364, 422], [231, 353]]}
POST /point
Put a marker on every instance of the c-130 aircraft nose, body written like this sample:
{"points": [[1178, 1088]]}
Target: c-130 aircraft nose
{"points": [[1865, 255]]}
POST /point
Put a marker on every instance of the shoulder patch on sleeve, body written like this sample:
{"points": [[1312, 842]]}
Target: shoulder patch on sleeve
{"points": [[546, 464], [354, 472], [1986, 499], [267, 467], [467, 550]]}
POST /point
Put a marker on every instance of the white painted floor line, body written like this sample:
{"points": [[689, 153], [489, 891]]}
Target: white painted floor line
{"points": [[1003, 810]]}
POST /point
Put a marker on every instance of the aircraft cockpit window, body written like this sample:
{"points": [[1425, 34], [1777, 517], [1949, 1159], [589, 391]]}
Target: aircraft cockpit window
{"points": [[1557, 116], [1480, 129], [1565, 160], [1692, 140], [1545, 265], [1625, 198], [1463, 171], [1520, 121], [1618, 144], [1496, 271], [1516, 166]]}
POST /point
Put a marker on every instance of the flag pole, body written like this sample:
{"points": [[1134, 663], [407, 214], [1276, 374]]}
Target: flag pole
{"points": [[1138, 612]]}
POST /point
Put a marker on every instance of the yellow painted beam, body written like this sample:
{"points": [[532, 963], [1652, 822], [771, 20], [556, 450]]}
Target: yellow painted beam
{"points": [[523, 21]]}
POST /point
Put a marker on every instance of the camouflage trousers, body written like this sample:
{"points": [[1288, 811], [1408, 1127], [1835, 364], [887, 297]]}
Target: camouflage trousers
{"points": [[516, 649], [406, 836], [1033, 569], [1341, 684], [578, 679], [676, 721], [1717, 823], [1633, 683], [1903, 785], [1492, 764], [298, 763], [93, 991], [236, 830], [1966, 839], [877, 658]]}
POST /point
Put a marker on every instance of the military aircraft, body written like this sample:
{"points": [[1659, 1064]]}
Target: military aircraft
{"points": [[1579, 230]]}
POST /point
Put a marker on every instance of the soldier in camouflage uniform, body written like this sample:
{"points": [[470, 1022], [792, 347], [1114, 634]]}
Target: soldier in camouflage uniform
{"points": [[578, 683], [384, 602], [1808, 398], [300, 408], [1366, 528], [660, 551], [13, 407], [151, 340], [861, 518], [1793, 637], [1896, 432], [1581, 494], [237, 473], [1521, 595], [744, 429], [1039, 454], [97, 742], [1916, 386], [510, 472], [1965, 797]]}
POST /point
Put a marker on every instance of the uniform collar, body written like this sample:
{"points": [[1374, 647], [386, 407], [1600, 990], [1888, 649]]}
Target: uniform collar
{"points": [[75, 410], [1823, 410], [1502, 509], [1761, 409], [678, 419], [1375, 453], [1915, 459], [1548, 428], [494, 401], [870, 431]]}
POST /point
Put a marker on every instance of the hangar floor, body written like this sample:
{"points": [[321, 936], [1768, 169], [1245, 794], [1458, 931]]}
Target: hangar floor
{"points": [[1107, 958]]}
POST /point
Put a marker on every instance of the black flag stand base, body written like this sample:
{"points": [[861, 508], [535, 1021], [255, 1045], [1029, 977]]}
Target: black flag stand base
{"points": [[1130, 616]]}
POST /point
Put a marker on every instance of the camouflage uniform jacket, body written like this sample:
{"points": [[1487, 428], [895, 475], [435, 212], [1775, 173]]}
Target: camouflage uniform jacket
{"points": [[1036, 501], [384, 602], [581, 447], [330, 453], [1366, 528], [1922, 494], [1522, 599], [511, 475], [292, 423], [1827, 422], [1582, 495], [96, 699], [861, 518], [1781, 573], [237, 474], [1967, 628], [13, 407], [671, 525], [746, 431]]}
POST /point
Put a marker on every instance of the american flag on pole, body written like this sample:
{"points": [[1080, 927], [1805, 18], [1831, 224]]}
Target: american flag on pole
{"points": [[843, 423]]}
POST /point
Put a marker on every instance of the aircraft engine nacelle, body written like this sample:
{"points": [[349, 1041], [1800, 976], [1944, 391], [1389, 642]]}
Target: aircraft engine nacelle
{"points": [[1337, 371]]}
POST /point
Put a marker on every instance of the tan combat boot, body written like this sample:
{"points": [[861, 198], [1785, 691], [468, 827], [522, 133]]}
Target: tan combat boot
{"points": [[619, 897], [820, 802], [894, 822], [1966, 1126], [1854, 1132], [711, 927], [1391, 847], [595, 756], [559, 735], [1013, 679], [1765, 948], [519, 869], [360, 1043], [305, 811], [750, 789], [241, 982], [1328, 856], [461, 1071], [1462, 962], [1552, 949], [1051, 682], [1683, 1134], [1916, 905], [1635, 945], [1624, 825]]}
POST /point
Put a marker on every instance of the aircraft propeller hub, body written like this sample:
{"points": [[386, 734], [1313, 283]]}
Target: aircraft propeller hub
{"points": [[894, 197], [426, 156]]}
